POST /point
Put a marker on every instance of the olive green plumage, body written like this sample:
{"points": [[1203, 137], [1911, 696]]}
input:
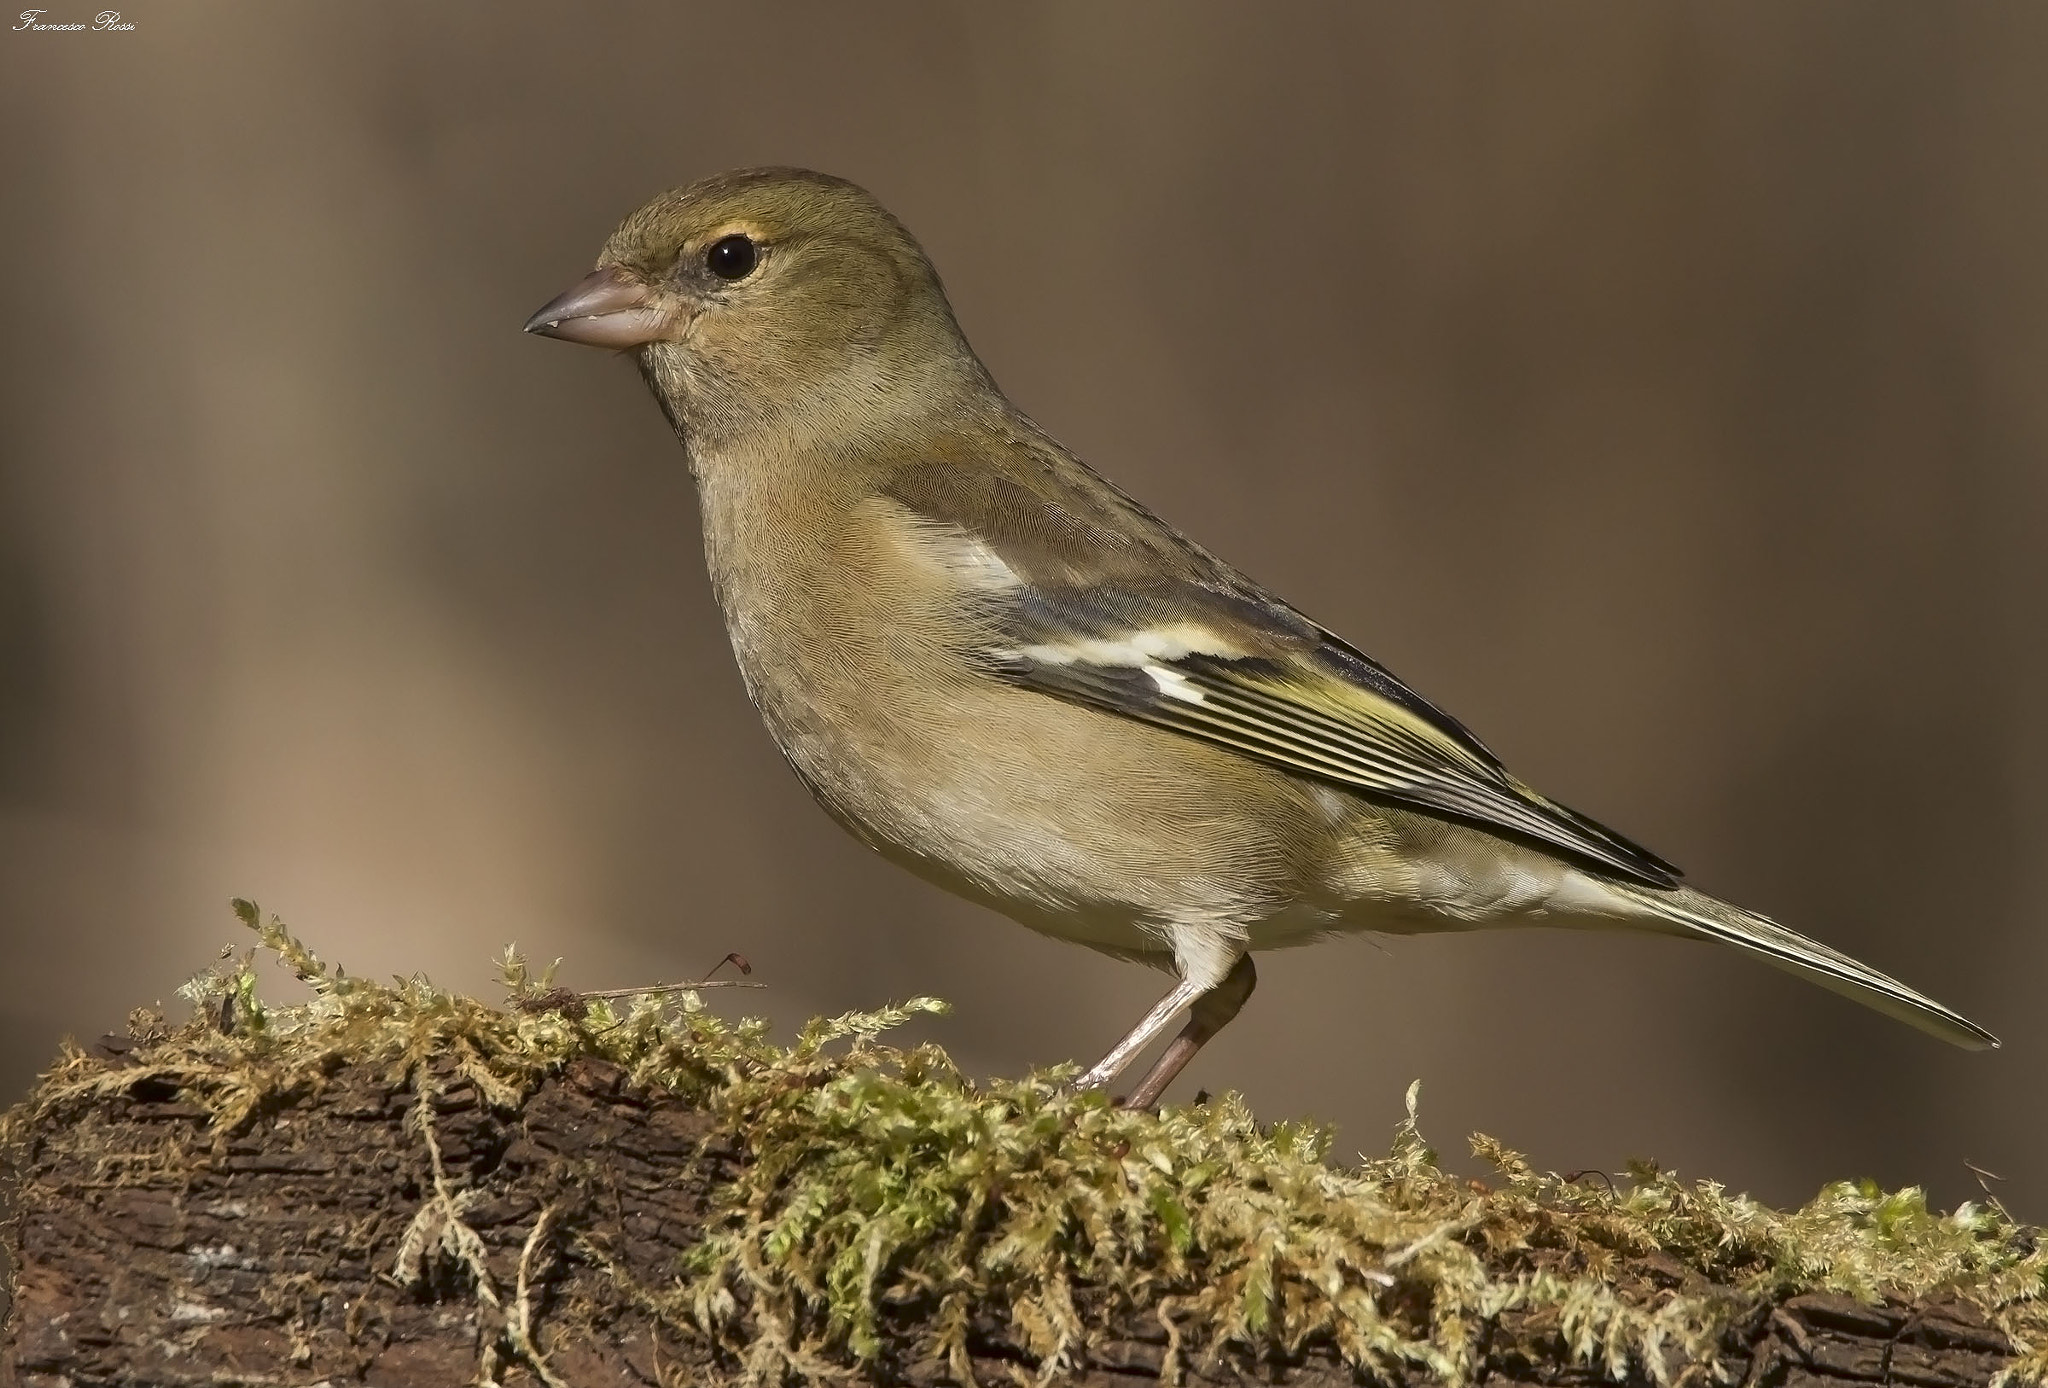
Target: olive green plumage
{"points": [[1006, 675]]}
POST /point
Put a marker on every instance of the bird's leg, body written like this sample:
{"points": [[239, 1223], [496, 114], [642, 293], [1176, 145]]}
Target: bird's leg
{"points": [[1211, 1008], [1141, 1035], [1211, 1013]]}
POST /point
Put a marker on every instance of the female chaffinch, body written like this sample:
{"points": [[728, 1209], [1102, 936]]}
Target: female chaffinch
{"points": [[999, 671]]}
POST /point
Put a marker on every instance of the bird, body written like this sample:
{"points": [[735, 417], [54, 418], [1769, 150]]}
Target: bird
{"points": [[1001, 672]]}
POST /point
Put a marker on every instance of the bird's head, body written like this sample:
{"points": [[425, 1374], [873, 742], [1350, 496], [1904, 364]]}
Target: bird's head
{"points": [[766, 297]]}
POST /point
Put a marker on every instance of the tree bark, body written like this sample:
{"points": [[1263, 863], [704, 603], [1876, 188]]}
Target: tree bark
{"points": [[149, 1251]]}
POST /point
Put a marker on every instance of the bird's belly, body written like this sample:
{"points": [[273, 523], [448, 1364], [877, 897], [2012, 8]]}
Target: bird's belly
{"points": [[1073, 822], [1123, 928]]}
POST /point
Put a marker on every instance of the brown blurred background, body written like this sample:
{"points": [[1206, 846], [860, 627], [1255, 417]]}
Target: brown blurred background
{"points": [[1658, 387]]}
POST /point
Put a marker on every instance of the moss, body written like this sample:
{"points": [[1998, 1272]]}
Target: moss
{"points": [[886, 1194]]}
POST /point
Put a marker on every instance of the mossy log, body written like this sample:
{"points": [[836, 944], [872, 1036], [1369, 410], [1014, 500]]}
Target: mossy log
{"points": [[148, 1255], [399, 1186]]}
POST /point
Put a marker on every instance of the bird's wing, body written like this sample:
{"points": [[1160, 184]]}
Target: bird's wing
{"points": [[1101, 603]]}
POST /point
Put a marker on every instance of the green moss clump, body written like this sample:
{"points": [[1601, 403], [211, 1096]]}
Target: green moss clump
{"points": [[884, 1194]]}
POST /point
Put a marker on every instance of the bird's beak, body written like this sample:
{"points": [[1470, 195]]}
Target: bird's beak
{"points": [[608, 308]]}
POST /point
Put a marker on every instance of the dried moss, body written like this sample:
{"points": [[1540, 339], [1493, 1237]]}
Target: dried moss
{"points": [[887, 1195]]}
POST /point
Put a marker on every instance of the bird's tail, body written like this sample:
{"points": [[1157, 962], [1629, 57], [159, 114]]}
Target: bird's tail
{"points": [[1687, 912]]}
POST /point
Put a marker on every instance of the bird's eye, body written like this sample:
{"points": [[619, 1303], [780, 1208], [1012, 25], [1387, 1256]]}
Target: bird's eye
{"points": [[731, 257]]}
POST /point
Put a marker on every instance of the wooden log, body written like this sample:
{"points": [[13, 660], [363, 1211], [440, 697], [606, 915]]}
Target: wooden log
{"points": [[350, 1232]]}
